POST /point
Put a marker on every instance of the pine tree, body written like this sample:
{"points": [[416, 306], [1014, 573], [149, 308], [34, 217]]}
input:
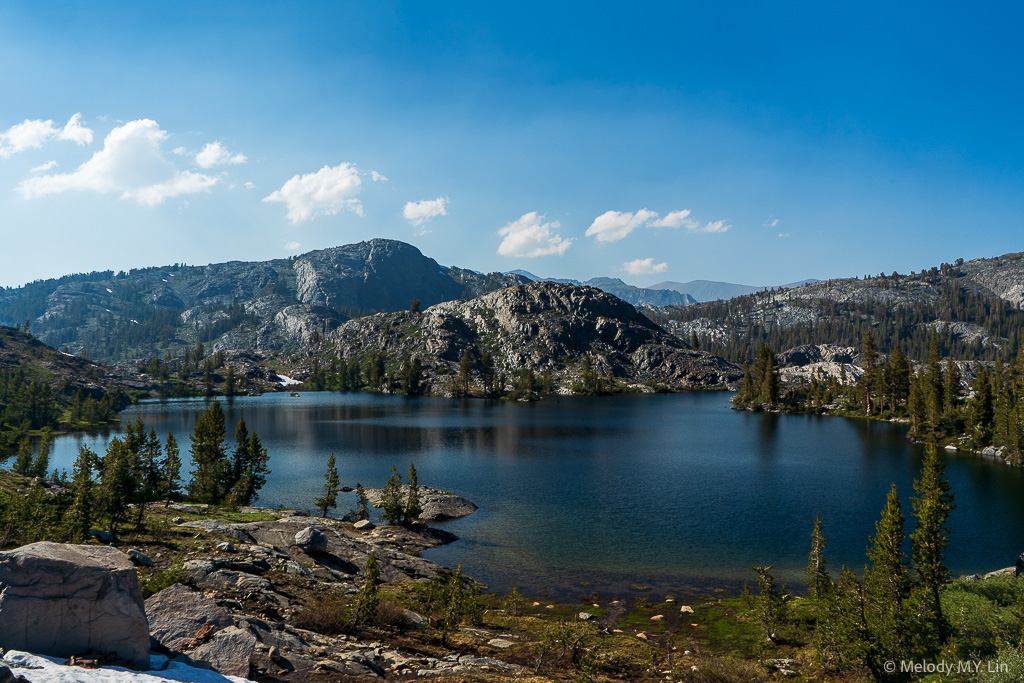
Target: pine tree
{"points": [[116, 486], [79, 515], [391, 498], [209, 456], [819, 583], [41, 464], [982, 411], [331, 486], [931, 507], [413, 508], [23, 462], [887, 613], [869, 380], [465, 370], [172, 469], [368, 600], [362, 510], [254, 473]]}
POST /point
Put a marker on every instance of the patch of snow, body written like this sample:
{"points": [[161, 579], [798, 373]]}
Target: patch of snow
{"points": [[285, 380], [109, 289], [170, 274], [164, 279], [135, 321], [43, 669]]}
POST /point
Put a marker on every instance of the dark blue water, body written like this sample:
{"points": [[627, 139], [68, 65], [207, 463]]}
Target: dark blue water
{"points": [[676, 491]]}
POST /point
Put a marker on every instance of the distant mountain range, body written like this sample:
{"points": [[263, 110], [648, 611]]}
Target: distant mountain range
{"points": [[709, 290], [638, 296]]}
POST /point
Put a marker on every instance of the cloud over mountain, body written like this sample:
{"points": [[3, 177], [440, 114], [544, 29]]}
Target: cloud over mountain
{"points": [[326, 192], [131, 163], [529, 236]]}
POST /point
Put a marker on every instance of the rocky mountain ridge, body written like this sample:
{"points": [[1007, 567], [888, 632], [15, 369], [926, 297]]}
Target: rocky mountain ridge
{"points": [[265, 306], [537, 327]]}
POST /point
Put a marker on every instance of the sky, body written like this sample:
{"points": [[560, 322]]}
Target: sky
{"points": [[749, 142]]}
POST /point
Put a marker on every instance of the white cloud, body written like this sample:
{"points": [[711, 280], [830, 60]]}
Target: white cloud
{"points": [[770, 223], [612, 226], [530, 236], [644, 266], [323, 193], [674, 219], [713, 226], [292, 246], [180, 151], [44, 167], [33, 133], [783, 234], [249, 185], [75, 132], [131, 163], [377, 177], [216, 154], [418, 213]]}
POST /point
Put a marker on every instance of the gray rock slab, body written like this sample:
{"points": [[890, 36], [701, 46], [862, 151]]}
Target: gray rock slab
{"points": [[230, 651], [63, 600], [176, 614]]}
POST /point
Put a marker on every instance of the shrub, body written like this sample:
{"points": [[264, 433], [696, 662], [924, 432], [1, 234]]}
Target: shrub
{"points": [[328, 614]]}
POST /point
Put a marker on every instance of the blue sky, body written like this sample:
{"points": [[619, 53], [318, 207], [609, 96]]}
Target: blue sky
{"points": [[749, 142]]}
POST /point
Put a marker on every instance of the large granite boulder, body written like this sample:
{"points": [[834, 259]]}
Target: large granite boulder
{"points": [[63, 600]]}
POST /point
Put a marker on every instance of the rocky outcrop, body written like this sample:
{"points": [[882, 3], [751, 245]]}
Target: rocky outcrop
{"points": [[379, 275], [538, 327], [178, 614], [64, 600], [437, 505]]}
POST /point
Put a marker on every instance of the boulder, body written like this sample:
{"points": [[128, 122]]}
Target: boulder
{"points": [[140, 558], [228, 651], [446, 507], [364, 525], [63, 600], [311, 538], [176, 614]]}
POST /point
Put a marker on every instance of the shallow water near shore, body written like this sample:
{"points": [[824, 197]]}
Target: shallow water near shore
{"points": [[615, 495]]}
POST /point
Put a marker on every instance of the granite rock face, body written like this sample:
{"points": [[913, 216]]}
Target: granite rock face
{"points": [[63, 600], [177, 613]]}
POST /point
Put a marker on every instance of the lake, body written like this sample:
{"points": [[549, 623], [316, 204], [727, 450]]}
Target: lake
{"points": [[673, 492]]}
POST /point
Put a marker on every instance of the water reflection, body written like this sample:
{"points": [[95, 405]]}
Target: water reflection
{"points": [[660, 490]]}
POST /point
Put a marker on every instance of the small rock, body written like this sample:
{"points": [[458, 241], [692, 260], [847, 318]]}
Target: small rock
{"points": [[178, 520], [364, 525], [311, 538], [686, 609], [585, 615], [226, 547], [101, 535], [500, 642], [642, 635], [139, 558], [657, 617]]}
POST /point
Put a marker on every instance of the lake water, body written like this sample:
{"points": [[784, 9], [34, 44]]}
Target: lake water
{"points": [[675, 492]]}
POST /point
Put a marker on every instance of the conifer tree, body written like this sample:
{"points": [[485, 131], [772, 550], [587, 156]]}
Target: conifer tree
{"points": [[465, 370], [413, 509], [79, 514], [982, 413], [391, 498], [172, 469], [23, 462], [41, 463], [368, 599], [887, 614], [116, 486], [869, 380], [331, 485], [362, 510], [209, 456], [819, 583], [931, 508]]}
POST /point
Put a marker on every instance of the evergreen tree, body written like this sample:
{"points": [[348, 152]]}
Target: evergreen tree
{"points": [[982, 412], [887, 613], [465, 372], [869, 379], [391, 498], [368, 599], [413, 509], [487, 373], [116, 486], [23, 462], [331, 486], [931, 508], [362, 510], [770, 609], [79, 514], [209, 456], [41, 463], [172, 469], [254, 473], [819, 583]]}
